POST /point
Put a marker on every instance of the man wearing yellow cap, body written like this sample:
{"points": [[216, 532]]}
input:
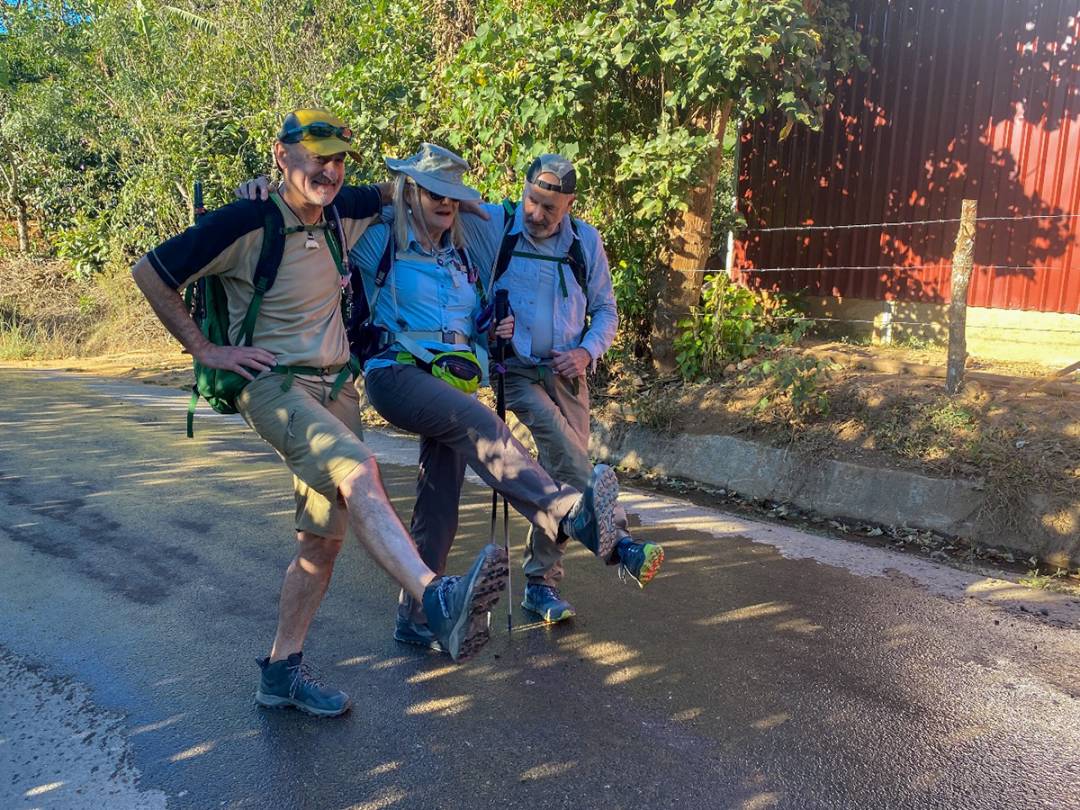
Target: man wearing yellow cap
{"points": [[297, 351]]}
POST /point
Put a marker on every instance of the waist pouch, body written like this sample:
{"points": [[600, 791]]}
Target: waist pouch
{"points": [[459, 369]]}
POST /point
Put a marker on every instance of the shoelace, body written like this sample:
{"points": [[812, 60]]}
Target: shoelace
{"points": [[445, 587], [549, 592], [624, 569], [303, 673]]}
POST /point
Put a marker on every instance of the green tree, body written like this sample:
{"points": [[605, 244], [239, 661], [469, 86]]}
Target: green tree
{"points": [[42, 148], [640, 94]]}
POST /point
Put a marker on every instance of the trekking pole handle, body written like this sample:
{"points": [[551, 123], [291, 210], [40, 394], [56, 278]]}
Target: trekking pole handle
{"points": [[502, 309], [198, 208]]}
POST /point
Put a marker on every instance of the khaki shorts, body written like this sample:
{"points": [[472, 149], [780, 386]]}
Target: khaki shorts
{"points": [[319, 438]]}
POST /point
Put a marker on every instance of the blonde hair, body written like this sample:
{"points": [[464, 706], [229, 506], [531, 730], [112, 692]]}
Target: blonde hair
{"points": [[407, 205]]}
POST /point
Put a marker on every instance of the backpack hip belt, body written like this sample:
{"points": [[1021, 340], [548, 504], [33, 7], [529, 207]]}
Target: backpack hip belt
{"points": [[342, 372], [450, 338]]}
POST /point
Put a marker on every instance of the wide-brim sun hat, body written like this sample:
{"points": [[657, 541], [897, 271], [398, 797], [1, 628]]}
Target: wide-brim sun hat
{"points": [[438, 170]]}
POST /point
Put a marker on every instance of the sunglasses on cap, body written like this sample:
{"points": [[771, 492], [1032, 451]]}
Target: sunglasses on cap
{"points": [[316, 129]]}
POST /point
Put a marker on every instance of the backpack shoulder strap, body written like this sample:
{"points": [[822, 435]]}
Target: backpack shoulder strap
{"points": [[273, 248], [335, 240], [509, 241], [576, 259], [386, 260], [382, 272]]}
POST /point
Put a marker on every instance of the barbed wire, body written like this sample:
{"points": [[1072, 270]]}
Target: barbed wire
{"points": [[951, 220], [881, 267], [884, 324]]}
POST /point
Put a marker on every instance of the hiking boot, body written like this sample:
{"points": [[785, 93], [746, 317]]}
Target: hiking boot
{"points": [[640, 560], [591, 521], [291, 683], [419, 635], [457, 607], [546, 602]]}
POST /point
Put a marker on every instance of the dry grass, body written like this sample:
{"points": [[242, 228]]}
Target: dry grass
{"points": [[46, 313]]}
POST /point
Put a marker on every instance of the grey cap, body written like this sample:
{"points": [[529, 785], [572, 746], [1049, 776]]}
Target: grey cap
{"points": [[556, 165], [438, 170]]}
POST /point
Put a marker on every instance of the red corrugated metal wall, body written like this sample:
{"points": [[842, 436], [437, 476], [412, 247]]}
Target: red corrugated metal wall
{"points": [[964, 99]]}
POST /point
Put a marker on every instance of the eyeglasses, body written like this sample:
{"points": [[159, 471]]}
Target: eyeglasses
{"points": [[316, 129]]}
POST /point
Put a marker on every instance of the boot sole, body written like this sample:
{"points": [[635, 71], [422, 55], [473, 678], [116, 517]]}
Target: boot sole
{"points": [[488, 583], [654, 558], [605, 494], [275, 702], [416, 641]]}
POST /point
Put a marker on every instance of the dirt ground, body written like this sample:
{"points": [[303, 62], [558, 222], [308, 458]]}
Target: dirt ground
{"points": [[1014, 427], [885, 405]]}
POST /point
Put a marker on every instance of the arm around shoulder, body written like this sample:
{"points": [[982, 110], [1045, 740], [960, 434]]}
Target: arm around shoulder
{"points": [[361, 202]]}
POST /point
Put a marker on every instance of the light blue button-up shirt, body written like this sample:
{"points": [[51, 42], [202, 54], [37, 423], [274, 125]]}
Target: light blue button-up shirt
{"points": [[522, 274], [424, 291]]}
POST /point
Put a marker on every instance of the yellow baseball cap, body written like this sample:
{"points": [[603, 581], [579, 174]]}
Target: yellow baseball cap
{"points": [[320, 131]]}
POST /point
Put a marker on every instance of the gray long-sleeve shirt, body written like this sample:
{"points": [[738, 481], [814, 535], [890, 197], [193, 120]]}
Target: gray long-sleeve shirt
{"points": [[523, 274]]}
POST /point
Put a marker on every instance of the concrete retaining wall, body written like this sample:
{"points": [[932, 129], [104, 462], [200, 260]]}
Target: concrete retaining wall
{"points": [[830, 488]]}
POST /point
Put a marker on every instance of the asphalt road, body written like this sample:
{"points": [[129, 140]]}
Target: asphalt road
{"points": [[764, 667]]}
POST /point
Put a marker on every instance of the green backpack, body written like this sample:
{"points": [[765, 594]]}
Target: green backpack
{"points": [[209, 307]]}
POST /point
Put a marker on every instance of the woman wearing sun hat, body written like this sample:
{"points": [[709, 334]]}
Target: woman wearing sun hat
{"points": [[424, 293]]}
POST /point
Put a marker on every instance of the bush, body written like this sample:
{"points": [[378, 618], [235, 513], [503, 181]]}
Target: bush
{"points": [[732, 324]]}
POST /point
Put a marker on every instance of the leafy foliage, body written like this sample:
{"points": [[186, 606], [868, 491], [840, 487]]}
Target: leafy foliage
{"points": [[109, 109], [734, 323], [796, 378]]}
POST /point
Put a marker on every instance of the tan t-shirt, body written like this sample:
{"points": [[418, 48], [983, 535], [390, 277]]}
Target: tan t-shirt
{"points": [[300, 317]]}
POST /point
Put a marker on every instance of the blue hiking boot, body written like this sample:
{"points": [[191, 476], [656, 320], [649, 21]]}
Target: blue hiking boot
{"points": [[457, 607], [290, 683], [640, 560], [592, 519], [545, 601], [419, 635]]}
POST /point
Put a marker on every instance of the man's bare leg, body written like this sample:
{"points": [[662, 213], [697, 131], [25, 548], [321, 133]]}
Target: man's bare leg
{"points": [[458, 608], [306, 581], [380, 530]]}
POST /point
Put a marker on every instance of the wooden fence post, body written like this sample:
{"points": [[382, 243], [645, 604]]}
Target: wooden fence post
{"points": [[961, 279]]}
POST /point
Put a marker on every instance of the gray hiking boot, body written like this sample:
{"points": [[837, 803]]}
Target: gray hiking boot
{"points": [[591, 521], [546, 602], [457, 607], [290, 683], [419, 635]]}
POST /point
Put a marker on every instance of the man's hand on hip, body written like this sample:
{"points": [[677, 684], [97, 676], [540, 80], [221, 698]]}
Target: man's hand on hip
{"points": [[238, 359], [571, 364]]}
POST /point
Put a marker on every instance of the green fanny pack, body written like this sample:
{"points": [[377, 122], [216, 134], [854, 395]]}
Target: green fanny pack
{"points": [[458, 368]]}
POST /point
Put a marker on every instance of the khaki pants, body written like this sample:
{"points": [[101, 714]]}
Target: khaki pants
{"points": [[319, 438], [556, 412], [456, 430]]}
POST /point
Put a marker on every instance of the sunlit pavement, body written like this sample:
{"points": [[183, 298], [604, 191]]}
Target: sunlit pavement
{"points": [[764, 667]]}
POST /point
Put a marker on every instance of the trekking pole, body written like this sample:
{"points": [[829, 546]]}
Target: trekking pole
{"points": [[195, 296], [502, 309], [197, 207]]}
